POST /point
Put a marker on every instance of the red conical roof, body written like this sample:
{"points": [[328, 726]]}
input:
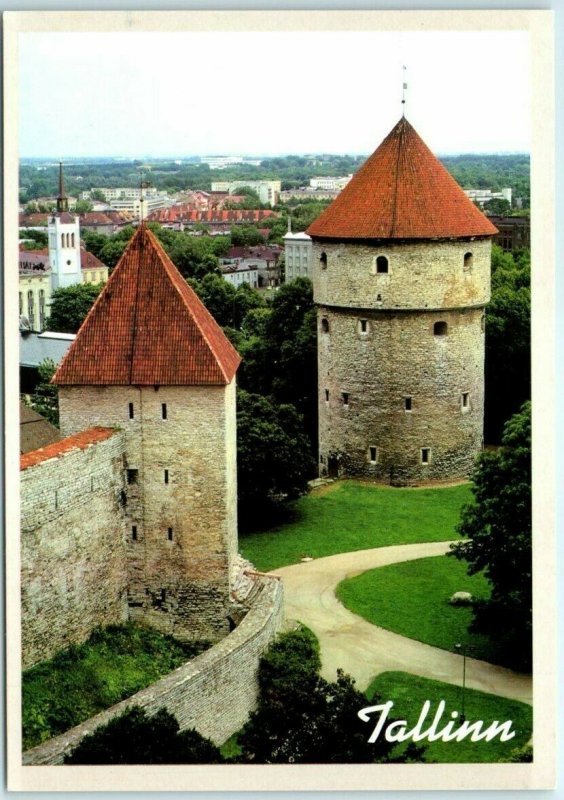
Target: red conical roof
{"points": [[148, 327], [401, 192]]}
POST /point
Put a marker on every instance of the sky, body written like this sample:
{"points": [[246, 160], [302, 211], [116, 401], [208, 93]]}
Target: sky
{"points": [[268, 93]]}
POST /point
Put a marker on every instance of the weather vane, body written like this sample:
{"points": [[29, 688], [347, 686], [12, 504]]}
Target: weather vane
{"points": [[403, 91]]}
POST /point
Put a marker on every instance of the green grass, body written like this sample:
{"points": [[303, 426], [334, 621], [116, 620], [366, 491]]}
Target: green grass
{"points": [[409, 692], [350, 515], [412, 599], [84, 679]]}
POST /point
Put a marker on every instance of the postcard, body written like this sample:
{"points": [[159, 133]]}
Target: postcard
{"points": [[280, 502]]}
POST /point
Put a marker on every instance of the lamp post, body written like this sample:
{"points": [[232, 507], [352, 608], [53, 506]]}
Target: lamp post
{"points": [[462, 648]]}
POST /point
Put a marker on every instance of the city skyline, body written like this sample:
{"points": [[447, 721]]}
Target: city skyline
{"points": [[174, 95]]}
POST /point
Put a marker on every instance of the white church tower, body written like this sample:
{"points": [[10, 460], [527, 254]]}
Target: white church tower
{"points": [[64, 242]]}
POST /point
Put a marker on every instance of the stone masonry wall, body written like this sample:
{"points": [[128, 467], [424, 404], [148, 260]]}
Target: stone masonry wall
{"points": [[423, 275], [399, 401], [73, 575], [400, 357], [181, 498], [213, 693]]}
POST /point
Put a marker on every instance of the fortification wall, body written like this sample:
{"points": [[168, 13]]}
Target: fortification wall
{"points": [[400, 388], [181, 498], [73, 574], [213, 693], [422, 275]]}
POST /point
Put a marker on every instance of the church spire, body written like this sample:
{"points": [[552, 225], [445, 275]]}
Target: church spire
{"points": [[62, 199]]}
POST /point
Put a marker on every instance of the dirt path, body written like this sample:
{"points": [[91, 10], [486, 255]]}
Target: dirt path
{"points": [[365, 650]]}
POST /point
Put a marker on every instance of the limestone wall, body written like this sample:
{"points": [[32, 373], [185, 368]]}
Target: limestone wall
{"points": [[73, 574], [213, 693], [399, 387], [181, 498], [422, 275]]}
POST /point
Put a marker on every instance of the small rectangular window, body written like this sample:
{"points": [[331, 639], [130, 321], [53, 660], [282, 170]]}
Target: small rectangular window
{"points": [[326, 395], [131, 413], [134, 532], [345, 396], [170, 534], [132, 475], [425, 455], [363, 325], [408, 403], [465, 400], [373, 455], [163, 595], [163, 410], [166, 476]]}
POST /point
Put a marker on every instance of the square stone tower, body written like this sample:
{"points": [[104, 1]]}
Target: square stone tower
{"points": [[401, 277], [151, 360]]}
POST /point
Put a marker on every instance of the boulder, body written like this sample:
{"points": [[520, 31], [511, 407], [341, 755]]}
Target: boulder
{"points": [[461, 599]]}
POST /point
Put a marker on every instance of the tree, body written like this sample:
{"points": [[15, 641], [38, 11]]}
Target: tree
{"points": [[70, 305], [136, 738], [45, 398], [94, 242], [82, 206], [98, 194], [498, 528], [35, 240], [302, 718], [508, 340], [273, 454], [246, 236], [497, 206]]}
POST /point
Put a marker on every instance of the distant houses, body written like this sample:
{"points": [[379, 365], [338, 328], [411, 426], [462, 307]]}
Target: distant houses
{"points": [[259, 266]]}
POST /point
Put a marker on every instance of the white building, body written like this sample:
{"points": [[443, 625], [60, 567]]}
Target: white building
{"points": [[268, 191], [63, 232], [238, 272], [297, 255], [482, 196], [141, 207], [121, 192], [330, 183]]}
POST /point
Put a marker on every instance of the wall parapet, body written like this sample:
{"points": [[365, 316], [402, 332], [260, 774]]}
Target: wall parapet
{"points": [[213, 693]]}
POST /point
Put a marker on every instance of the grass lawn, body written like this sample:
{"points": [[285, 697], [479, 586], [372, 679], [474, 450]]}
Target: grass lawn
{"points": [[409, 692], [350, 515], [411, 598], [82, 680]]}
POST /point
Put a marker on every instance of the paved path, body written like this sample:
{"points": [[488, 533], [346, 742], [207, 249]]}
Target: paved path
{"points": [[364, 650]]}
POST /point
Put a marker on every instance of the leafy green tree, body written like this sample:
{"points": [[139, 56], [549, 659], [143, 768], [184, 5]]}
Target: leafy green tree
{"points": [[508, 340], [35, 240], [246, 235], [136, 738], [497, 206], [94, 242], [70, 305], [98, 194], [112, 250], [498, 526], [302, 718], [82, 206], [218, 296], [45, 398], [273, 453]]}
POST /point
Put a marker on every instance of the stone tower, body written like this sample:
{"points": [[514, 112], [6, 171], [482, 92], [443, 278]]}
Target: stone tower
{"points": [[64, 242], [401, 275], [151, 360]]}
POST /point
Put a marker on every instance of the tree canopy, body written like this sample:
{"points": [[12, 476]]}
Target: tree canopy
{"points": [[70, 305], [498, 527]]}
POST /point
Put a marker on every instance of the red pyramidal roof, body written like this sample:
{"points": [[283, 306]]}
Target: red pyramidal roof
{"points": [[401, 192], [148, 327]]}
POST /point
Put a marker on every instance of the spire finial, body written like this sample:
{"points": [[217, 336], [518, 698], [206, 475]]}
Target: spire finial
{"points": [[62, 199], [404, 89], [142, 186]]}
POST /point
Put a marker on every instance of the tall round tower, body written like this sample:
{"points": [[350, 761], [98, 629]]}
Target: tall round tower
{"points": [[401, 275]]}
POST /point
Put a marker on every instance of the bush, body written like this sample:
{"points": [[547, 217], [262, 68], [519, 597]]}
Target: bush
{"points": [[135, 738]]}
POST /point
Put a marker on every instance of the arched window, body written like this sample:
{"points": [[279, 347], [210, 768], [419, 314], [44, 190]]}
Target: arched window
{"points": [[440, 329], [62, 239], [325, 325], [468, 260], [72, 239], [381, 264], [323, 260]]}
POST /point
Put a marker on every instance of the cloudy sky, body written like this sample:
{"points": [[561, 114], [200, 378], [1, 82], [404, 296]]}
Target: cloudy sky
{"points": [[179, 94]]}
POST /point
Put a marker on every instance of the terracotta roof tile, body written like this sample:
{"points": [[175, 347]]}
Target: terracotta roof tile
{"points": [[77, 441], [148, 327], [401, 192]]}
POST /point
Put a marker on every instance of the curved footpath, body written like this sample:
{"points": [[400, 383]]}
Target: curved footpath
{"points": [[365, 650]]}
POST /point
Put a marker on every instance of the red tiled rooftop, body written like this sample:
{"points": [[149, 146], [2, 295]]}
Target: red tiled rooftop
{"points": [[401, 192], [148, 328], [78, 441]]}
